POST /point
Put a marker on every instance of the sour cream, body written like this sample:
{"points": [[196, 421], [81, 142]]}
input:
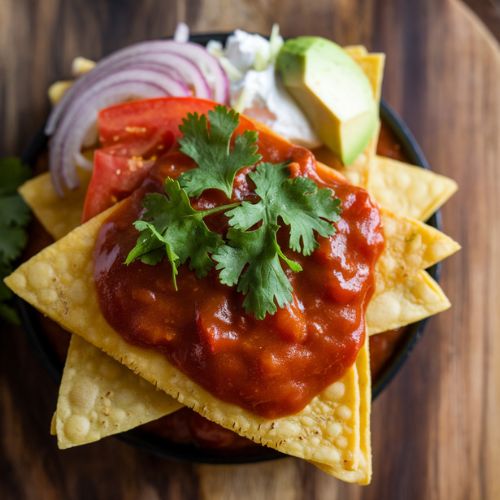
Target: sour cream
{"points": [[256, 89]]}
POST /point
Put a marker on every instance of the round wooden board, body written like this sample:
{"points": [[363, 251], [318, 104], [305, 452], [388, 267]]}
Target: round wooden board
{"points": [[435, 429]]}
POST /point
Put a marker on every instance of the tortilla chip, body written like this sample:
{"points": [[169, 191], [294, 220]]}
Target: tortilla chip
{"points": [[373, 67], [356, 50], [363, 472], [65, 270], [403, 303], [410, 245], [109, 383], [99, 397], [53, 431], [409, 190], [57, 215]]}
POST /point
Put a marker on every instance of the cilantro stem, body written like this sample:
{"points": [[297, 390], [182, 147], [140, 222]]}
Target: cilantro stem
{"points": [[215, 210]]}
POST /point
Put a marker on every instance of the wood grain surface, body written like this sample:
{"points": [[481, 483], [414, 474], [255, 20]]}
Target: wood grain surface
{"points": [[436, 429]]}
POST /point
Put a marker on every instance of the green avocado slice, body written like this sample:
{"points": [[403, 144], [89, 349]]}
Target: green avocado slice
{"points": [[333, 92]]}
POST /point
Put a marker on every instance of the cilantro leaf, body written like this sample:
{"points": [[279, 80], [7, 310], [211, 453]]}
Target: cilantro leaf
{"points": [[252, 260], [171, 227], [13, 211], [298, 202], [14, 215], [210, 147], [12, 174], [12, 242]]}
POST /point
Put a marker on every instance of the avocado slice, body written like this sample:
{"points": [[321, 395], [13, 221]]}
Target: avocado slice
{"points": [[333, 92]]}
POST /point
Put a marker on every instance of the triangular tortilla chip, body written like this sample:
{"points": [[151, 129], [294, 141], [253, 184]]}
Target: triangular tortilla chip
{"points": [[408, 190], [356, 50], [57, 215], [86, 367], [363, 472], [403, 303], [66, 269], [410, 246], [99, 397]]}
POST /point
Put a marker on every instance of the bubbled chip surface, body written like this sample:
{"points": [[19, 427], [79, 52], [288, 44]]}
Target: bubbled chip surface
{"points": [[99, 397], [409, 190], [401, 303], [310, 434], [410, 246], [363, 472]]}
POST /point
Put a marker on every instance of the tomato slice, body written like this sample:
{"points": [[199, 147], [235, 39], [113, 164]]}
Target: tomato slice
{"points": [[133, 135], [118, 170], [147, 117]]}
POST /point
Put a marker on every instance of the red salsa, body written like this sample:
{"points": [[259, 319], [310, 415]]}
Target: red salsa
{"points": [[186, 426], [272, 367]]}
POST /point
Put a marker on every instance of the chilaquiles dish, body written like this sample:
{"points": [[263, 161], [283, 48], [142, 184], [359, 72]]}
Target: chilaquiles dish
{"points": [[219, 259]]}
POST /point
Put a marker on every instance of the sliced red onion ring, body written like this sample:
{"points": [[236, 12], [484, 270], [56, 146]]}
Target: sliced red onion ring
{"points": [[160, 67], [215, 85], [66, 143]]}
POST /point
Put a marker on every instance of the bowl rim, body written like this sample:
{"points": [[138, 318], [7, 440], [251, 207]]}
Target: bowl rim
{"points": [[187, 452]]}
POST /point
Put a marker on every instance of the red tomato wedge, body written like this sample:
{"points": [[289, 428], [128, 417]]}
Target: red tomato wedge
{"points": [[118, 170], [147, 118], [133, 136]]}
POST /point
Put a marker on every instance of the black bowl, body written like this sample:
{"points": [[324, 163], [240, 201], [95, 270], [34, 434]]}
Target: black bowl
{"points": [[189, 452]]}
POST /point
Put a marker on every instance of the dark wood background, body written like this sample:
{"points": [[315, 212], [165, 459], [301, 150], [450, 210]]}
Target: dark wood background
{"points": [[436, 429]]}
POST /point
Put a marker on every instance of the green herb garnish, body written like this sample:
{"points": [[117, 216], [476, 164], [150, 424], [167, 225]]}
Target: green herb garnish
{"points": [[211, 149], [172, 227], [252, 258], [14, 215], [249, 255]]}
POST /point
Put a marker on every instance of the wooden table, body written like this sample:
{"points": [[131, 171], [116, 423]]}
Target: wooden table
{"points": [[436, 429]]}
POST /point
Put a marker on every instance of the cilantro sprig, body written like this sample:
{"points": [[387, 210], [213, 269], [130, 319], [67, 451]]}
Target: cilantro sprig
{"points": [[171, 227], [252, 258], [249, 256], [210, 147], [14, 216]]}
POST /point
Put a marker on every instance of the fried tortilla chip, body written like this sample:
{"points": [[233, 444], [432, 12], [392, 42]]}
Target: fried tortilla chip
{"points": [[356, 50], [65, 269], [402, 303], [363, 472], [78, 420], [99, 397], [410, 246], [409, 190], [57, 215], [404, 293]]}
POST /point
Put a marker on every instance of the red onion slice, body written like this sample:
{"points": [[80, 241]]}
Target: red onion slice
{"points": [[179, 66], [158, 68], [66, 143], [203, 71]]}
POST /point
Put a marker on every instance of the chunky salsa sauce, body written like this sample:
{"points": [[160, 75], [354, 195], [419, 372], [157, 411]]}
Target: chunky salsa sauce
{"points": [[272, 367]]}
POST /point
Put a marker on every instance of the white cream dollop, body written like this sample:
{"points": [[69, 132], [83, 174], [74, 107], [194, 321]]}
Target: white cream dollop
{"points": [[256, 89]]}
